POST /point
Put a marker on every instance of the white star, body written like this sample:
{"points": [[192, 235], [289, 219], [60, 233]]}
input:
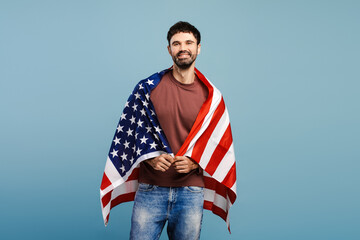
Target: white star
{"points": [[123, 156], [114, 153], [148, 129], [134, 107], [143, 112], [136, 134], [129, 132], [116, 140], [131, 160], [126, 144], [156, 136], [152, 112], [157, 129], [132, 119], [138, 151], [139, 123], [153, 145], [119, 128], [147, 96], [127, 104], [137, 95], [143, 139], [150, 82], [145, 103], [122, 168], [141, 86], [123, 116], [134, 148]]}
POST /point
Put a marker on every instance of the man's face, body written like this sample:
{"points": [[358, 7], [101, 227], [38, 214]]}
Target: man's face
{"points": [[183, 49]]}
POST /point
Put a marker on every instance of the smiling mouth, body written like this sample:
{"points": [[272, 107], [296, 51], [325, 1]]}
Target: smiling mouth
{"points": [[183, 55]]}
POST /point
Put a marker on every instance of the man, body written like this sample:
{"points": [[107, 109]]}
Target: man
{"points": [[173, 139]]}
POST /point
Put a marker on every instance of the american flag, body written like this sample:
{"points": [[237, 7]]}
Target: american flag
{"points": [[139, 137]]}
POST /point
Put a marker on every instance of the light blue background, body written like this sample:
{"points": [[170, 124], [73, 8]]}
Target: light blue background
{"points": [[289, 71]]}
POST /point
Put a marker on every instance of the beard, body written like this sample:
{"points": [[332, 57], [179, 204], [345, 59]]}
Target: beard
{"points": [[184, 63]]}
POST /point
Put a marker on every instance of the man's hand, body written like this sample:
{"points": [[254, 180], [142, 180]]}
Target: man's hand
{"points": [[162, 162], [184, 164]]}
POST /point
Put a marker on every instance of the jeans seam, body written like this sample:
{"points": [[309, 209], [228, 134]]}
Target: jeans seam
{"points": [[194, 191], [169, 205]]}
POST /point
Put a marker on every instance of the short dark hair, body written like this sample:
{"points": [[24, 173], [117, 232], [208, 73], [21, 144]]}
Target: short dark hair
{"points": [[183, 27]]}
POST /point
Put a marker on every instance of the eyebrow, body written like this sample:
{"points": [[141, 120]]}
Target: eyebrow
{"points": [[189, 40]]}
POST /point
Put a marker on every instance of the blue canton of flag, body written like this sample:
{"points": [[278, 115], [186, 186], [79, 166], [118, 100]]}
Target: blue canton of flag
{"points": [[138, 133]]}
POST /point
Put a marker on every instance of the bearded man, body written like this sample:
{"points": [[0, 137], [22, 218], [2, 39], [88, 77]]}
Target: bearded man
{"points": [[173, 139]]}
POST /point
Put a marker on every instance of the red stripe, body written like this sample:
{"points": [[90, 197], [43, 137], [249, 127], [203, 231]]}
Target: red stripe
{"points": [[230, 178], [208, 205], [215, 209], [105, 182], [232, 196], [134, 175], [212, 184], [202, 141], [219, 151], [127, 197], [201, 115], [106, 199]]}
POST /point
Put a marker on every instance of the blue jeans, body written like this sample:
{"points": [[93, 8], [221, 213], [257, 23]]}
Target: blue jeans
{"points": [[182, 207]]}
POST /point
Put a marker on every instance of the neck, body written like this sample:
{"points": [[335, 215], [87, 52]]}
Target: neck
{"points": [[185, 76]]}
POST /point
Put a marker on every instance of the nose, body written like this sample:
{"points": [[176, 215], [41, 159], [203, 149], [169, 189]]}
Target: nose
{"points": [[182, 47]]}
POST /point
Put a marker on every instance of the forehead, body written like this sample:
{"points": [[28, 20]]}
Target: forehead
{"points": [[182, 36]]}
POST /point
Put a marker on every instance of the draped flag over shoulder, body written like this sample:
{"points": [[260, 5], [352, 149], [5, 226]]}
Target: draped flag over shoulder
{"points": [[139, 137]]}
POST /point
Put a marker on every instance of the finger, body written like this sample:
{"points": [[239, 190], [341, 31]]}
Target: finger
{"points": [[168, 157], [164, 165], [161, 166], [183, 170], [181, 163], [181, 167], [164, 161], [180, 158]]}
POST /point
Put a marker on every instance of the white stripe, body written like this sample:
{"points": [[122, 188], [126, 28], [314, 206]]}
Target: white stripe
{"points": [[206, 174], [214, 104], [229, 204], [214, 140], [127, 187], [233, 188], [216, 199], [111, 172], [209, 194], [221, 202], [228, 219], [105, 211], [225, 165]]}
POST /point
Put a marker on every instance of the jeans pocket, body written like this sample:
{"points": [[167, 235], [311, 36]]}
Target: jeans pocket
{"points": [[146, 187], [194, 188]]}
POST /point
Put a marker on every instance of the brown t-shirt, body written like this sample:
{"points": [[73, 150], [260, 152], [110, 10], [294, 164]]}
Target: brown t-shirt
{"points": [[177, 106]]}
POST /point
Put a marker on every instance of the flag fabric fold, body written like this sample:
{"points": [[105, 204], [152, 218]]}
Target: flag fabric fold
{"points": [[139, 136]]}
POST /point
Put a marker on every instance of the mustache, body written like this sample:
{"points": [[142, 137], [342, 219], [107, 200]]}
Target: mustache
{"points": [[181, 52]]}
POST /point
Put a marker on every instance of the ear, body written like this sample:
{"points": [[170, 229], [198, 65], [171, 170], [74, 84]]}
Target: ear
{"points": [[199, 48], [169, 50]]}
